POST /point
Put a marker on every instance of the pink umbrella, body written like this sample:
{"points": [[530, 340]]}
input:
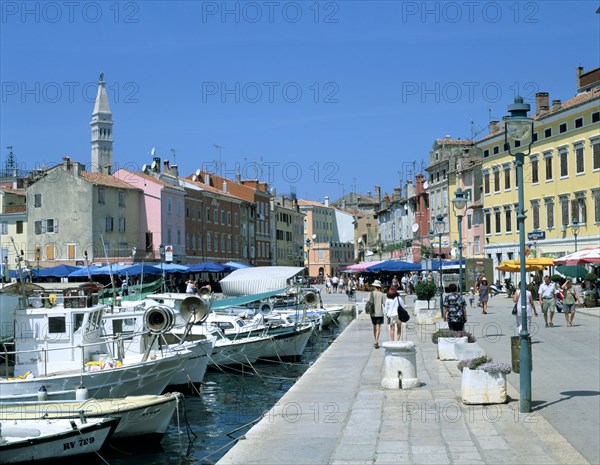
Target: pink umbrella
{"points": [[360, 266], [580, 257]]}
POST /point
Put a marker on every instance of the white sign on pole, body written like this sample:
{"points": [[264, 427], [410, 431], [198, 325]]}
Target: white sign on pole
{"points": [[169, 253]]}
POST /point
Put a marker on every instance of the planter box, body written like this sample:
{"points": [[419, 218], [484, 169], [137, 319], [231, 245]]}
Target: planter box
{"points": [[480, 387], [446, 346], [428, 317], [467, 350], [425, 304]]}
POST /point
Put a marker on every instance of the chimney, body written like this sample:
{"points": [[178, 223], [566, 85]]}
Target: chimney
{"points": [[207, 179], [541, 102], [225, 187], [326, 201], [79, 167], [238, 178], [579, 73], [378, 193], [67, 163], [494, 126], [107, 169], [175, 170], [556, 104], [156, 164], [166, 166]]}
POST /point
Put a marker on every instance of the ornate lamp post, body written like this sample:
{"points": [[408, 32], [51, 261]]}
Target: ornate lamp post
{"points": [[458, 204], [439, 228], [575, 228], [519, 127]]}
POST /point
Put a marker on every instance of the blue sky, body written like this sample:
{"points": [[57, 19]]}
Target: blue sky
{"points": [[321, 97]]}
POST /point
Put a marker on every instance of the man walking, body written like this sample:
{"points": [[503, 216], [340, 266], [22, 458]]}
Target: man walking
{"points": [[546, 295]]}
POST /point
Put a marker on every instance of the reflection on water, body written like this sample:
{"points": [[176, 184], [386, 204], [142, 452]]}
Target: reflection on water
{"points": [[229, 404]]}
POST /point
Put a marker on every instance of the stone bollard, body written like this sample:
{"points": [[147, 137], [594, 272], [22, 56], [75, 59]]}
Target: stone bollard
{"points": [[400, 365]]}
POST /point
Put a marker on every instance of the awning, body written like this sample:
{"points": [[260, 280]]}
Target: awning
{"points": [[59, 271], [393, 265], [362, 266], [514, 266], [210, 267], [256, 280], [580, 257]]}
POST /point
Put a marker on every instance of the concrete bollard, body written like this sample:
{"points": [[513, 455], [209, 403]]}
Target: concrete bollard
{"points": [[400, 366]]}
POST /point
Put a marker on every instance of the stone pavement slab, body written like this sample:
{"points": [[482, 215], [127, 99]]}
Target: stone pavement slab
{"points": [[337, 413]]}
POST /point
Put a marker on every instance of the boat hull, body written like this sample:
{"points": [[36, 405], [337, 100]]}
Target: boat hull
{"points": [[139, 415], [33, 440]]}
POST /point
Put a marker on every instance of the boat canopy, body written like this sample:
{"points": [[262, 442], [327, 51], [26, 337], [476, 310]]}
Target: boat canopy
{"points": [[256, 280], [243, 300]]}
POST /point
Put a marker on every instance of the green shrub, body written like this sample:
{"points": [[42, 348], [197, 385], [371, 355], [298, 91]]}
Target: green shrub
{"points": [[590, 277], [425, 290], [556, 278], [445, 332], [473, 363]]}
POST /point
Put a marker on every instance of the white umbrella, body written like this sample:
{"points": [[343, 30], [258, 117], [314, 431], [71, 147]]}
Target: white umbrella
{"points": [[580, 257]]}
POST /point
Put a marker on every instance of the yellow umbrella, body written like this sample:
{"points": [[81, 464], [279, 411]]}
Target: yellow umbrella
{"points": [[510, 266], [543, 261]]}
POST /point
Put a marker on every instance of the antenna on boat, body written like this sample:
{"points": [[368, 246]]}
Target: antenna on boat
{"points": [[112, 279]]}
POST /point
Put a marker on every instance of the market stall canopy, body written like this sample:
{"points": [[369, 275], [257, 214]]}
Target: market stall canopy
{"points": [[210, 267], [140, 268], [572, 271], [238, 265], [256, 280], [171, 267], [580, 257], [393, 265], [361, 266], [99, 270], [59, 271]]}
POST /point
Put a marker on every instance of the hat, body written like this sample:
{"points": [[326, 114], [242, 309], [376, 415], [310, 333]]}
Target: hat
{"points": [[472, 288], [376, 283]]}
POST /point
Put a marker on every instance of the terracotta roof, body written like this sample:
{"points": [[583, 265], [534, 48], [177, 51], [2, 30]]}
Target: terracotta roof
{"points": [[235, 189], [14, 191], [129, 177], [15, 209], [102, 179], [206, 188], [310, 203], [579, 99]]}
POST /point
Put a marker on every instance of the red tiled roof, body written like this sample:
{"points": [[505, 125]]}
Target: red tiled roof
{"points": [[128, 177], [9, 190], [15, 209], [102, 179], [310, 203]]}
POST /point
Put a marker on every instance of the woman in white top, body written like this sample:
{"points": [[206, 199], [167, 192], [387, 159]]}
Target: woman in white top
{"points": [[530, 308], [390, 310]]}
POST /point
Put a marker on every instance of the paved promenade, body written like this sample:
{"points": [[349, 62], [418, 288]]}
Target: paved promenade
{"points": [[337, 413]]}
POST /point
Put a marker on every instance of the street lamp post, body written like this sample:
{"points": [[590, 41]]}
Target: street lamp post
{"points": [[161, 249], [308, 244], [439, 228], [575, 228], [459, 203], [519, 127]]}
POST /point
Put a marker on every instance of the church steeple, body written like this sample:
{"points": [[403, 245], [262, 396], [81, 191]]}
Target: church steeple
{"points": [[101, 131]]}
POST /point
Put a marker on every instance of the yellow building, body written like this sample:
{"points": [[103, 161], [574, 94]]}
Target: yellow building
{"points": [[561, 179]]}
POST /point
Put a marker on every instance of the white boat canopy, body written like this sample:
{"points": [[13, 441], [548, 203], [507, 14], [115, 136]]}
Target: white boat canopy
{"points": [[260, 279]]}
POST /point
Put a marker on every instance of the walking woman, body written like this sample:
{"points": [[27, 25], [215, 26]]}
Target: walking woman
{"points": [[391, 312], [571, 298], [484, 294], [377, 298], [530, 308], [455, 309]]}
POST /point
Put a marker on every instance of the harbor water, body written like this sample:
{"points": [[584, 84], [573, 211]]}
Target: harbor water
{"points": [[228, 404]]}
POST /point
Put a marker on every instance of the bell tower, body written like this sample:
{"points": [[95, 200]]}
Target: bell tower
{"points": [[101, 131]]}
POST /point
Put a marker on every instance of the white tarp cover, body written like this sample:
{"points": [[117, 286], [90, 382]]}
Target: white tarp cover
{"points": [[260, 279]]}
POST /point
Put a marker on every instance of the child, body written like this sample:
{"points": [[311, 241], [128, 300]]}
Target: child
{"points": [[471, 297]]}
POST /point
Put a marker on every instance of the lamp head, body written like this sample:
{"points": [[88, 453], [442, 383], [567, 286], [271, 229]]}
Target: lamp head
{"points": [[518, 125], [575, 226], [439, 224], [459, 202]]}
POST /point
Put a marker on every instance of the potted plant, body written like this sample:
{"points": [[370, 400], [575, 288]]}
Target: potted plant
{"points": [[425, 291], [483, 381], [446, 340]]}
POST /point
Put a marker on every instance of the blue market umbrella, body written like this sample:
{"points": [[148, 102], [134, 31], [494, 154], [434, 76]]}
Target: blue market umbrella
{"points": [[59, 271], [393, 265], [572, 271], [211, 267]]}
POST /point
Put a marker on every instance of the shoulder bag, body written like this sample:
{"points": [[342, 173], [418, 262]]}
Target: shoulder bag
{"points": [[370, 305], [403, 315]]}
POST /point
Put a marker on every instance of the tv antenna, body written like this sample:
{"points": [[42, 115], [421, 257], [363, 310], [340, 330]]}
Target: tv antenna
{"points": [[219, 148], [174, 156]]}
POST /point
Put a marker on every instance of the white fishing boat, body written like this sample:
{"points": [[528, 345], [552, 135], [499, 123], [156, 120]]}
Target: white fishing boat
{"points": [[139, 416], [28, 441], [59, 344]]}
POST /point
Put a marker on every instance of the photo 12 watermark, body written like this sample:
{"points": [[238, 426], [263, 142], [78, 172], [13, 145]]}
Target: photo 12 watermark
{"points": [[69, 12], [68, 91], [470, 12], [270, 12], [270, 92], [465, 92]]}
